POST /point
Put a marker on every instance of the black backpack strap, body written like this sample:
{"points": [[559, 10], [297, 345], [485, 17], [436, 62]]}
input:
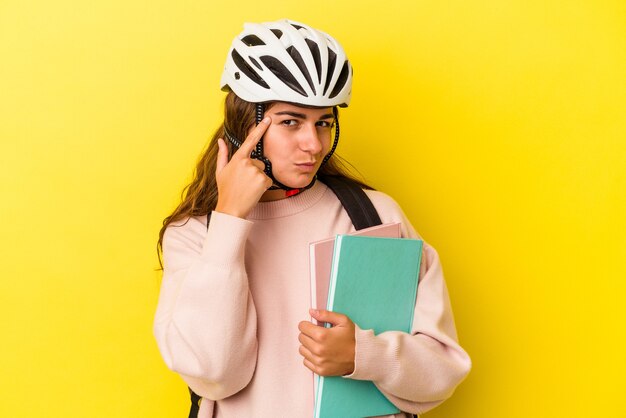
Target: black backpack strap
{"points": [[354, 200], [195, 404]]}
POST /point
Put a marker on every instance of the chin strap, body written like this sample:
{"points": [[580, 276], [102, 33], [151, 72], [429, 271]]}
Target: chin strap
{"points": [[258, 153]]}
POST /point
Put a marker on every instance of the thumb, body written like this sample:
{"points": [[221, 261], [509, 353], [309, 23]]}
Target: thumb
{"points": [[332, 318], [222, 156]]}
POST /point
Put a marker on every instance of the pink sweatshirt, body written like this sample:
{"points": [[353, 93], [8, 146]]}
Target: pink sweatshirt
{"points": [[232, 297]]}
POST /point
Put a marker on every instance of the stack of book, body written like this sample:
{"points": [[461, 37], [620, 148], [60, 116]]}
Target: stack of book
{"points": [[372, 278]]}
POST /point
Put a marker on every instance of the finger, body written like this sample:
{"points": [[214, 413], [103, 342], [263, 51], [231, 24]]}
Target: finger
{"points": [[311, 358], [306, 341], [310, 330], [222, 156], [306, 353], [261, 167], [251, 140], [259, 164], [333, 318], [310, 366]]}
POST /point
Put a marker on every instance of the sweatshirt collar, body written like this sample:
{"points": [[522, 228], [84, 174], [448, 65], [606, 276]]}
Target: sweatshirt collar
{"points": [[290, 205]]}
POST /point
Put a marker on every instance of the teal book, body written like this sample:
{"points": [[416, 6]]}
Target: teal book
{"points": [[374, 282]]}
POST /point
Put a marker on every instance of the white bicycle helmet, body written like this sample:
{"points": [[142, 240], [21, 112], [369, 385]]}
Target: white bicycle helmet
{"points": [[287, 61]]}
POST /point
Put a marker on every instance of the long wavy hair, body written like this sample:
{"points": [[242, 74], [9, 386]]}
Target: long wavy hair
{"points": [[200, 196]]}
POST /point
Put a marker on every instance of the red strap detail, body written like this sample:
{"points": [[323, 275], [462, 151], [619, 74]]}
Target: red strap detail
{"points": [[292, 192]]}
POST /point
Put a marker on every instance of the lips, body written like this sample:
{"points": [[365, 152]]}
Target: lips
{"points": [[306, 167]]}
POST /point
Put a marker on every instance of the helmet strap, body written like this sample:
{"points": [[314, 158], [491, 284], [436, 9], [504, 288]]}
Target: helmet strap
{"points": [[336, 141]]}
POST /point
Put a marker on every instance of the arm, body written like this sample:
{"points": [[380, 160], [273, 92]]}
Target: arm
{"points": [[205, 324], [417, 370]]}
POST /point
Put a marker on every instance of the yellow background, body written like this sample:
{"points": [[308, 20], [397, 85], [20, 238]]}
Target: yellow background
{"points": [[498, 125]]}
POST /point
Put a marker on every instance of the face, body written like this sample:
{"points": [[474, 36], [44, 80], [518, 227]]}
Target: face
{"points": [[297, 141]]}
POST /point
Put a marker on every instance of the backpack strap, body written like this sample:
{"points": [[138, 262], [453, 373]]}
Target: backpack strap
{"points": [[354, 200], [195, 404]]}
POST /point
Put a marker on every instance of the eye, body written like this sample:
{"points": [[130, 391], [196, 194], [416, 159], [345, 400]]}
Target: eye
{"points": [[289, 122], [324, 124]]}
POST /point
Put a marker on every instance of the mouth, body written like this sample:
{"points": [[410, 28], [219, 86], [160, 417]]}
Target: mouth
{"points": [[307, 166]]}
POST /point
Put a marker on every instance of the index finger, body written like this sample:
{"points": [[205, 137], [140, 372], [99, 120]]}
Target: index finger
{"points": [[251, 140]]}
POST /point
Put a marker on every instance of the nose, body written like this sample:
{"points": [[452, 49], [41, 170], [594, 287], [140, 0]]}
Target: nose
{"points": [[310, 140]]}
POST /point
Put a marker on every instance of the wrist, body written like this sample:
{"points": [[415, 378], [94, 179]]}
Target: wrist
{"points": [[229, 210]]}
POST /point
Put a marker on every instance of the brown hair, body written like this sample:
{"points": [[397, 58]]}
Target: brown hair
{"points": [[200, 196]]}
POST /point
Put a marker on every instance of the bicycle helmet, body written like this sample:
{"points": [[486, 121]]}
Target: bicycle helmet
{"points": [[287, 61]]}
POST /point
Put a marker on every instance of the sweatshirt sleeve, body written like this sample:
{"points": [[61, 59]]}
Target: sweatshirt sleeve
{"points": [[205, 323], [419, 370]]}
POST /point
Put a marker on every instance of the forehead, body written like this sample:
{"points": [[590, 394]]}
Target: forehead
{"points": [[308, 112]]}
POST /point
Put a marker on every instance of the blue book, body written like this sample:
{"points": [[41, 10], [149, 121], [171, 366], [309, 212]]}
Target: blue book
{"points": [[374, 282]]}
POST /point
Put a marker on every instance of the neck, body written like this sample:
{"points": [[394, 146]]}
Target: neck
{"points": [[278, 194], [270, 195]]}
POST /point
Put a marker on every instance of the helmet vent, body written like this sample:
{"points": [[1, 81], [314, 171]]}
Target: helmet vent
{"points": [[252, 40], [296, 26], [315, 51], [297, 58], [283, 74], [341, 81], [248, 70], [256, 63], [332, 57], [277, 32]]}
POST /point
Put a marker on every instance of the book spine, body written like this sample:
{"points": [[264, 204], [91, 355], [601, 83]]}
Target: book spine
{"points": [[313, 280]]}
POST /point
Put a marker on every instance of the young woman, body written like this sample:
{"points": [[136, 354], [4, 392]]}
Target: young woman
{"points": [[235, 297]]}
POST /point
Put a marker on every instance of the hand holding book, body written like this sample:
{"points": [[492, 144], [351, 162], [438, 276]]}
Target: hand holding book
{"points": [[328, 351]]}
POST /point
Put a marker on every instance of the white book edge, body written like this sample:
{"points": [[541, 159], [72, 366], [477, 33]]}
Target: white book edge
{"points": [[333, 277]]}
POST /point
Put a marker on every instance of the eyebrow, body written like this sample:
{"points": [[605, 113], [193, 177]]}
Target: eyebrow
{"points": [[302, 115]]}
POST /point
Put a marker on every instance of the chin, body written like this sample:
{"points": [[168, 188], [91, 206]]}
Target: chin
{"points": [[296, 183]]}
